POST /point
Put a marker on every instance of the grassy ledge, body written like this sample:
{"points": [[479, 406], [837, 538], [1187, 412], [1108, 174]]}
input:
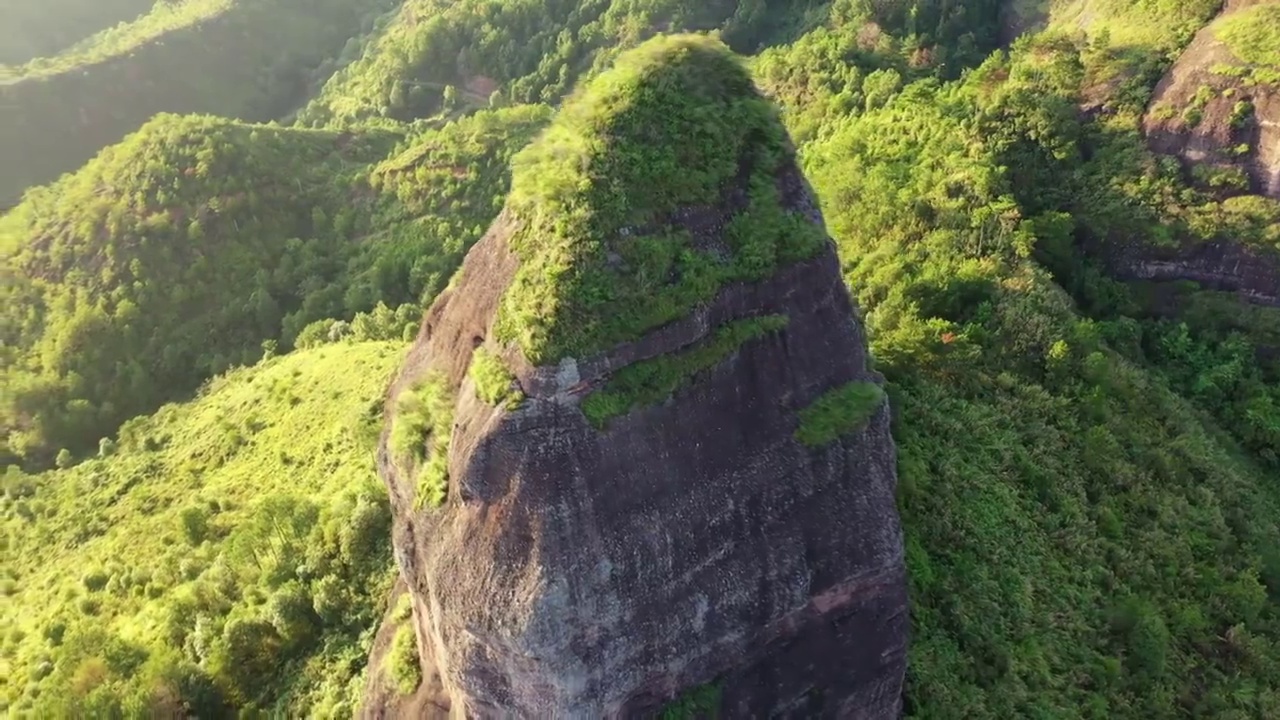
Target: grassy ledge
{"points": [[839, 412], [650, 381], [420, 431], [494, 382], [675, 123]]}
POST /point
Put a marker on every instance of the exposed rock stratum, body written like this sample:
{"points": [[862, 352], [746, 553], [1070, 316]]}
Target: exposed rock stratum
{"points": [[1219, 105], [669, 466]]}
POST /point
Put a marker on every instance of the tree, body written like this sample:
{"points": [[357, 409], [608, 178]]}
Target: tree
{"points": [[195, 523], [64, 460], [291, 613], [248, 655]]}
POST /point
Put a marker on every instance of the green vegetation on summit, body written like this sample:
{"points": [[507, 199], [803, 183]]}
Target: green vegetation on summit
{"points": [[676, 125]]}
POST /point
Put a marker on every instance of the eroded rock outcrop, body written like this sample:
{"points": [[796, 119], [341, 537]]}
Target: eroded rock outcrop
{"points": [[1218, 108], [668, 464], [1251, 273], [1218, 111]]}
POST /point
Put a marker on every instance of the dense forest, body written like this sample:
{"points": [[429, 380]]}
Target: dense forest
{"points": [[198, 326]]}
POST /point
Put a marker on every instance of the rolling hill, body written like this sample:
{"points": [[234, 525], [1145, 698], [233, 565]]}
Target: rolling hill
{"points": [[247, 59], [40, 28], [128, 287]]}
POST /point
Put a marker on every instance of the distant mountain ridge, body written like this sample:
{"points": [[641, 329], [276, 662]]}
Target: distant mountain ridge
{"points": [[245, 59]]}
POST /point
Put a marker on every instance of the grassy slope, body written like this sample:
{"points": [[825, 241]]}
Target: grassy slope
{"points": [[39, 28], [249, 59], [302, 427], [1253, 36], [1165, 23]]}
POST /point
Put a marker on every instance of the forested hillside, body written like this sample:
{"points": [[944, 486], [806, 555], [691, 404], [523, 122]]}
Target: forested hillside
{"points": [[39, 28], [130, 283], [248, 59], [1088, 451], [228, 552]]}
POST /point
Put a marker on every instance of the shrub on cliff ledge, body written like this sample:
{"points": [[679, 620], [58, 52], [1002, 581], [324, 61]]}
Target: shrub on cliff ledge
{"points": [[494, 382], [402, 661], [839, 411], [651, 381], [675, 126], [420, 430]]}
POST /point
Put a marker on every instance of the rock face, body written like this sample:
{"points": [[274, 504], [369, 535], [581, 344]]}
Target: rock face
{"points": [[601, 564], [1218, 108], [1251, 273]]}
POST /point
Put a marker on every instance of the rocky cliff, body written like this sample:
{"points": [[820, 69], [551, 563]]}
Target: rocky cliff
{"points": [[1252, 273], [1218, 108], [636, 456]]}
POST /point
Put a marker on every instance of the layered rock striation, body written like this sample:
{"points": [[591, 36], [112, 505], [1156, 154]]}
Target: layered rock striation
{"points": [[636, 453]]}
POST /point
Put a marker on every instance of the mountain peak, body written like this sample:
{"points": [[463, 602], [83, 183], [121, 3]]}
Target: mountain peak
{"points": [[617, 199]]}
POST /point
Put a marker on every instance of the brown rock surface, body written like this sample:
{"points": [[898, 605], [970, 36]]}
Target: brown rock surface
{"points": [[583, 572]]}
